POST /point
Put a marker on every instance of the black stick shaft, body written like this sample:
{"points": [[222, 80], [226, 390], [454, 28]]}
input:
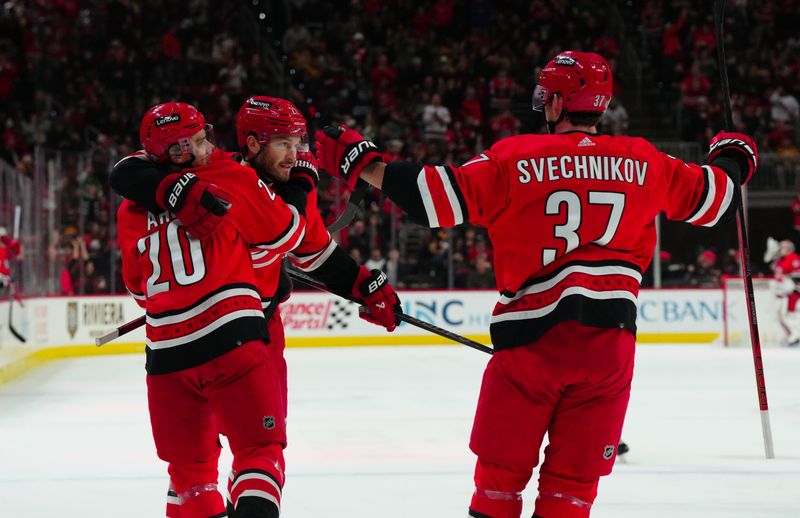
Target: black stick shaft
{"points": [[400, 315], [744, 245]]}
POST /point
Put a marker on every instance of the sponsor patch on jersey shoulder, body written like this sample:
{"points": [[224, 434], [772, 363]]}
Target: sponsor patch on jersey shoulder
{"points": [[565, 60], [260, 104], [168, 119]]}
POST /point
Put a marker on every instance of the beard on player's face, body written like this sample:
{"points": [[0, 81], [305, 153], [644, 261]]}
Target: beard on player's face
{"points": [[274, 160]]}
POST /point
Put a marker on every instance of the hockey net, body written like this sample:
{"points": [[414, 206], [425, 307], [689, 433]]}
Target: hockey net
{"points": [[736, 329]]}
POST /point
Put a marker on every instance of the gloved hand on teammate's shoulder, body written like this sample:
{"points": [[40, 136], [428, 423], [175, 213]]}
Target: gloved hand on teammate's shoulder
{"points": [[304, 171], [199, 205], [344, 153], [378, 298], [738, 147]]}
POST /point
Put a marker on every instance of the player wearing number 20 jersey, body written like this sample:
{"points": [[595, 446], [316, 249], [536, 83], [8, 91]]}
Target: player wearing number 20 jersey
{"points": [[571, 216], [200, 295], [207, 366]]}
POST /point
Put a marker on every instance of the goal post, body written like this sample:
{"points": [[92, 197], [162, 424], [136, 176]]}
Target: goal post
{"points": [[735, 329]]}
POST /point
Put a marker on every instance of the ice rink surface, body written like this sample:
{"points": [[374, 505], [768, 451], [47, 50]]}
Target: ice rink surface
{"points": [[382, 432]]}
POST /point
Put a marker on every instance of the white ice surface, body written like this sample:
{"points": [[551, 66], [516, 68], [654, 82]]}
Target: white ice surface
{"points": [[382, 432]]}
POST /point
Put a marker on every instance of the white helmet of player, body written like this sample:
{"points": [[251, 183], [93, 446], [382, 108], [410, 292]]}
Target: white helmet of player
{"points": [[786, 248]]}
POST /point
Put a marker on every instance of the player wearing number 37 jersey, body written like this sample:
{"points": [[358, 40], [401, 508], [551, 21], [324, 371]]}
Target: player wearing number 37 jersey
{"points": [[571, 218]]}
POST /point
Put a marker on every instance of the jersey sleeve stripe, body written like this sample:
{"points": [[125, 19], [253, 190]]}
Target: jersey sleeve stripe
{"points": [[289, 232], [157, 321], [137, 296], [427, 199], [709, 192], [139, 155], [311, 263], [267, 262], [462, 202], [300, 236], [450, 191], [726, 202]]}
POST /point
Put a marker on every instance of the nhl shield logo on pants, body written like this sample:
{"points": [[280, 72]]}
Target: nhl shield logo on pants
{"points": [[608, 451]]}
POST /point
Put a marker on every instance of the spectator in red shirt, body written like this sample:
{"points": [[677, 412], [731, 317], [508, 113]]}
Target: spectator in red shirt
{"points": [[695, 88], [384, 78], [501, 90], [505, 125]]}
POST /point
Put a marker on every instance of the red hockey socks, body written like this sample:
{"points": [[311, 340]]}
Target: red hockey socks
{"points": [[561, 497], [498, 491], [201, 501], [257, 483]]}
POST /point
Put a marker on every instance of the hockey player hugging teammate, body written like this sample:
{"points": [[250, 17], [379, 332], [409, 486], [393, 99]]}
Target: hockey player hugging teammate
{"points": [[571, 216]]}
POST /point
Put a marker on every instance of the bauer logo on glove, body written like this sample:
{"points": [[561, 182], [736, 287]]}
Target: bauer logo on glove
{"points": [[344, 153], [355, 153]]}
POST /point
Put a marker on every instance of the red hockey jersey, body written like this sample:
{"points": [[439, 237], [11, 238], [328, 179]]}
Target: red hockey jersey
{"points": [[201, 296], [787, 266], [571, 218], [315, 248]]}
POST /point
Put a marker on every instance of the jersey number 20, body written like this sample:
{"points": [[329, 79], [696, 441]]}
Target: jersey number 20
{"points": [[569, 230], [151, 244]]}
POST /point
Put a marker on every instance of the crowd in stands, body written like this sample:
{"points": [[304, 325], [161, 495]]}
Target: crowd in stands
{"points": [[435, 81], [763, 53]]}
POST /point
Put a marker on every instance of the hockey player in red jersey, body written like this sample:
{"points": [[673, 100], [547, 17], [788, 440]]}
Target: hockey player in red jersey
{"points": [[571, 218], [9, 250], [207, 366], [272, 135], [785, 264]]}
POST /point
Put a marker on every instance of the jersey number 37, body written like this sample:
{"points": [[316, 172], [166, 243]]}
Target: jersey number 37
{"points": [[560, 202]]}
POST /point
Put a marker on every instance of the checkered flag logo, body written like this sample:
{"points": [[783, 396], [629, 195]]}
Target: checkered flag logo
{"points": [[340, 314]]}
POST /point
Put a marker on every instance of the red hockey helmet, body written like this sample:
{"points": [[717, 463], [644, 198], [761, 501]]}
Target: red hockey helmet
{"points": [[583, 79], [167, 125], [267, 116]]}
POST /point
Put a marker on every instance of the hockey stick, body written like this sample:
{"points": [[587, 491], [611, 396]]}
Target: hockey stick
{"points": [[353, 205], [139, 322], [13, 296], [125, 328], [744, 247], [298, 276]]}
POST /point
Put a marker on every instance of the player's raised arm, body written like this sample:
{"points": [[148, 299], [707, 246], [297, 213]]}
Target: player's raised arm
{"points": [[434, 196], [705, 195]]}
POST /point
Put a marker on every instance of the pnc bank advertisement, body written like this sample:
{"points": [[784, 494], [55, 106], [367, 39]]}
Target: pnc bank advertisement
{"points": [[321, 319]]}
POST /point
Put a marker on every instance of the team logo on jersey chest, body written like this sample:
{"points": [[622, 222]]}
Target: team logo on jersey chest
{"points": [[608, 451]]}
